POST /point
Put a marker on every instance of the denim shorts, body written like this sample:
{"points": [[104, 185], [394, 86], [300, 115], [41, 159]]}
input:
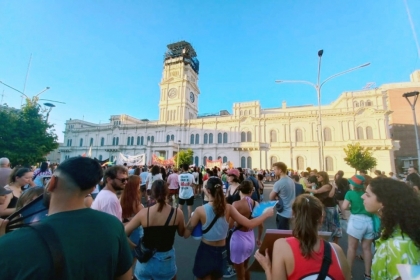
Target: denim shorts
{"points": [[360, 226], [209, 261], [162, 266]]}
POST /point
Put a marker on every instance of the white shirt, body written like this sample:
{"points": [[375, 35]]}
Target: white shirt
{"points": [[185, 182], [107, 201], [196, 176], [153, 178], [143, 177]]}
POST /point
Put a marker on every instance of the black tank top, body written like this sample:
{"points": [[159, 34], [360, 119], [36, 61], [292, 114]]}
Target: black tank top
{"points": [[160, 237], [231, 198]]}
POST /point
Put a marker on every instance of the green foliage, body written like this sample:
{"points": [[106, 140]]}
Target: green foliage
{"points": [[185, 156], [358, 157], [25, 136]]}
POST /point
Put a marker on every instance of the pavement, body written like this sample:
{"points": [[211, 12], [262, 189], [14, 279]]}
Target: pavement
{"points": [[185, 249]]}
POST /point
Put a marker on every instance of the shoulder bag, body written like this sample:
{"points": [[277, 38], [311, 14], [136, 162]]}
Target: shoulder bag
{"points": [[326, 261]]}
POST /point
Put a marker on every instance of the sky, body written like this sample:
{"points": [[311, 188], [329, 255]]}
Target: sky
{"points": [[105, 58]]}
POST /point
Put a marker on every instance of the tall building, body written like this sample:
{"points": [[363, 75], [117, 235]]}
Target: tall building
{"points": [[249, 136]]}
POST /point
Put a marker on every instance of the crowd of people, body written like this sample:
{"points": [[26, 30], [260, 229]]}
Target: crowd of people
{"points": [[101, 218]]}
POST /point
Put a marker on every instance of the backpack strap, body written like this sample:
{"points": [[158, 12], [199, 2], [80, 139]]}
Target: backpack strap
{"points": [[326, 261]]}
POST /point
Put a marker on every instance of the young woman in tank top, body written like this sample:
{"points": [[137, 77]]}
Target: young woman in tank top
{"points": [[302, 255], [212, 251], [232, 194]]}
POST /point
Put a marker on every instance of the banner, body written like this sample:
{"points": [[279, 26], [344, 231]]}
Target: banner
{"points": [[162, 161], [212, 163], [131, 160]]}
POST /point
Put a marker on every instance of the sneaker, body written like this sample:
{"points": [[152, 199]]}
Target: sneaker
{"points": [[229, 273]]}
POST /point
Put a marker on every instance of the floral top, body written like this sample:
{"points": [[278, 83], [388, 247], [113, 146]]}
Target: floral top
{"points": [[395, 250]]}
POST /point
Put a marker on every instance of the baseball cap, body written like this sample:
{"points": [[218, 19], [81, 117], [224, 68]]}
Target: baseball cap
{"points": [[357, 181], [3, 191], [234, 172]]}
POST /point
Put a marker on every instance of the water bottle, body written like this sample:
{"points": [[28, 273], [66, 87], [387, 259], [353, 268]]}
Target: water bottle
{"points": [[197, 232]]}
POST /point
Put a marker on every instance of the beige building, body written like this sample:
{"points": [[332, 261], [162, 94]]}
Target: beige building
{"points": [[249, 136]]}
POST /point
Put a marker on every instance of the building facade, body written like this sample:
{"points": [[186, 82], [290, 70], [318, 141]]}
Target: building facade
{"points": [[250, 136]]}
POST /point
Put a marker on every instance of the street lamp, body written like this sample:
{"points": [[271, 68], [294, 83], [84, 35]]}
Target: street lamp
{"points": [[318, 87], [415, 95], [177, 155], [50, 105]]}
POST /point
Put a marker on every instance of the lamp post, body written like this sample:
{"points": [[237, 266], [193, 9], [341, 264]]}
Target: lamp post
{"points": [[50, 105], [177, 155], [415, 96], [318, 87]]}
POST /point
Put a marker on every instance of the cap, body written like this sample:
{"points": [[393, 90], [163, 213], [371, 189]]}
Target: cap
{"points": [[357, 181], [234, 172], [3, 191], [251, 172]]}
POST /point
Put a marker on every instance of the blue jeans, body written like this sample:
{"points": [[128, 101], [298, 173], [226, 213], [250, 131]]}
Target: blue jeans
{"points": [[135, 236], [162, 266]]}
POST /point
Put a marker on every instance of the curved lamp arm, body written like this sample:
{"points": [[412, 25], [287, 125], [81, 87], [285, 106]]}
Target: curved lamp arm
{"points": [[342, 73], [296, 82]]}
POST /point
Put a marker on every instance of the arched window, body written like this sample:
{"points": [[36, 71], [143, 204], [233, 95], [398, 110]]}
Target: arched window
{"points": [[329, 164], [196, 161], [327, 134], [71, 142], [210, 158], [246, 112], [211, 138], [142, 140], [81, 142], [249, 136], [362, 103], [204, 161], [113, 141], [138, 140], [117, 140], [192, 139], [132, 140], [128, 141], [369, 132], [148, 138], [219, 157], [100, 157], [243, 162], [152, 139], [225, 137], [300, 163], [368, 103], [91, 142], [172, 137], [273, 160], [224, 159], [168, 137], [243, 136], [112, 159], [102, 141], [240, 113], [206, 138], [356, 104], [249, 162], [360, 133], [273, 136], [197, 139], [299, 136], [250, 111], [219, 138]]}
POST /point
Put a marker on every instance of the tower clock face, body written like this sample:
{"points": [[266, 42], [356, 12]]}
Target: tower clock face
{"points": [[192, 97], [172, 93]]}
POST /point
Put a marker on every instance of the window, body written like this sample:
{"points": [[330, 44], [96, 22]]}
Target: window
{"points": [[197, 139], [102, 141], [211, 138], [128, 141], [206, 138], [368, 103], [369, 132], [192, 139], [362, 103], [152, 139], [210, 158], [148, 138], [273, 136], [327, 134], [249, 136], [68, 142], [168, 137], [246, 112], [112, 158], [360, 133], [91, 142], [250, 111], [117, 140], [81, 142], [196, 161], [356, 104], [243, 136], [299, 136], [219, 157], [224, 159], [240, 113], [249, 162], [113, 141], [100, 157], [204, 161], [132, 140], [300, 163], [219, 138], [142, 140], [225, 137], [172, 137], [273, 160], [138, 140], [243, 162], [329, 165]]}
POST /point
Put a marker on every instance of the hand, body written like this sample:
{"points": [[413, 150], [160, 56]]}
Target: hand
{"points": [[3, 225], [264, 260], [268, 213]]}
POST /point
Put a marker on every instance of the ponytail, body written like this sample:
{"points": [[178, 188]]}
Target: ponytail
{"points": [[215, 187]]}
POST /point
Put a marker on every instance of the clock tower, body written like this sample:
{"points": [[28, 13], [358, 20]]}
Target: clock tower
{"points": [[179, 85]]}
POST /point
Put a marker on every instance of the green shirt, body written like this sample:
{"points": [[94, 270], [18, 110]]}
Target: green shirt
{"points": [[356, 202], [395, 250], [94, 245]]}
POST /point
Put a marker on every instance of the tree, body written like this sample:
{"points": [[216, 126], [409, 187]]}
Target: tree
{"points": [[358, 157], [25, 136], [185, 156]]}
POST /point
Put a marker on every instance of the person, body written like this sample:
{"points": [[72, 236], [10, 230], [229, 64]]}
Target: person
{"points": [[143, 176], [197, 191], [211, 252], [325, 192], [173, 186], [160, 222], [304, 179], [298, 187], [205, 197], [40, 173], [398, 209], [301, 256], [260, 178], [151, 177], [17, 179], [94, 247], [5, 171], [186, 193], [342, 187], [243, 241], [360, 225], [232, 194], [392, 175], [256, 191], [3, 195], [29, 195], [283, 189], [116, 178]]}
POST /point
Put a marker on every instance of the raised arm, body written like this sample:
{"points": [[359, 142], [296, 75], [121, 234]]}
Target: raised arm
{"points": [[199, 211], [245, 221]]}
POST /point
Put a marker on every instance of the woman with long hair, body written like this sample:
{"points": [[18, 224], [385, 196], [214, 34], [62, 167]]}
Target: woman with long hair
{"points": [[151, 177], [398, 209], [19, 177], [212, 251], [325, 192], [232, 194], [242, 242], [301, 256], [40, 173], [160, 222]]}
